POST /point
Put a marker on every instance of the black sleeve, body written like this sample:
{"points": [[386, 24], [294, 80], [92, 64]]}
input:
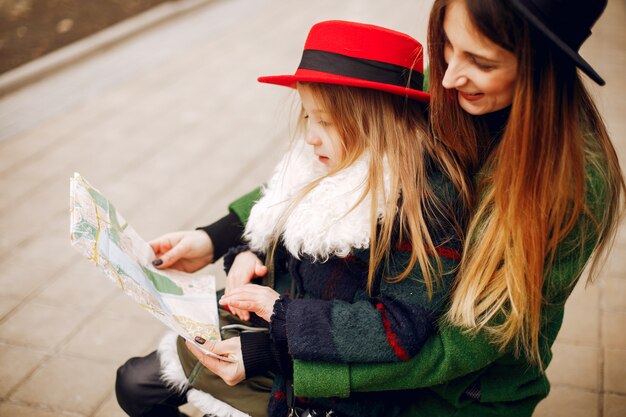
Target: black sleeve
{"points": [[260, 354], [264, 352], [224, 233]]}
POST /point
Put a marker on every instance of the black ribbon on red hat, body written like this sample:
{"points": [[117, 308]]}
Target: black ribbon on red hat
{"points": [[363, 69]]}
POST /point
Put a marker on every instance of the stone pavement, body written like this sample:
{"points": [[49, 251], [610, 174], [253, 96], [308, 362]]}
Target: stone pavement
{"points": [[171, 125]]}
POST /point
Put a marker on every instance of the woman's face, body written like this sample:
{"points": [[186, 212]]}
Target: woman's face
{"points": [[482, 73], [320, 130]]}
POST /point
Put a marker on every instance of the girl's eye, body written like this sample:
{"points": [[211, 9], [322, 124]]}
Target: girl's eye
{"points": [[324, 123]]}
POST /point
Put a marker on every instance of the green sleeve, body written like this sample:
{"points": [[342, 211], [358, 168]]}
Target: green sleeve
{"points": [[243, 205], [449, 354]]}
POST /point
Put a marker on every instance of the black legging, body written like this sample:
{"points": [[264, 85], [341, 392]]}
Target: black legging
{"points": [[141, 392]]}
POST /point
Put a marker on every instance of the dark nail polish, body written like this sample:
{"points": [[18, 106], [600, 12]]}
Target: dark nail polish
{"points": [[157, 262], [200, 340]]}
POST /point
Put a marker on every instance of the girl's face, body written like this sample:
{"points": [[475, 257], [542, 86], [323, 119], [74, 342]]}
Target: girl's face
{"points": [[320, 130], [482, 73]]}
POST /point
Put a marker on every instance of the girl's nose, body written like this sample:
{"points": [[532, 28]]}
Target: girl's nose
{"points": [[312, 138]]}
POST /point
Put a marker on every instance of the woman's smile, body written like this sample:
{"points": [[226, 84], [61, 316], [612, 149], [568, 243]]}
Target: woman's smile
{"points": [[471, 96]]}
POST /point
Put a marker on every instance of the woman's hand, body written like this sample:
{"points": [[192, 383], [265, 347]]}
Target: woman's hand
{"points": [[231, 372], [186, 251], [246, 266], [256, 298]]}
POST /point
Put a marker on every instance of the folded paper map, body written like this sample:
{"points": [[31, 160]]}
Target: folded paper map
{"points": [[185, 302]]}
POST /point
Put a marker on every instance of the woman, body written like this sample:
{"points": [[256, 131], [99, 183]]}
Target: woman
{"points": [[542, 185], [509, 105]]}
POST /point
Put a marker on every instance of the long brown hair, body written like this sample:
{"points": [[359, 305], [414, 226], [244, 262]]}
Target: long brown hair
{"points": [[393, 128], [534, 187]]}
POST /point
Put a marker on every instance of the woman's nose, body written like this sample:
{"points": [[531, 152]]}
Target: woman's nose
{"points": [[453, 77]]}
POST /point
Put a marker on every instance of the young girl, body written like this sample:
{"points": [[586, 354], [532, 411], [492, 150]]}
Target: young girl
{"points": [[354, 199]]}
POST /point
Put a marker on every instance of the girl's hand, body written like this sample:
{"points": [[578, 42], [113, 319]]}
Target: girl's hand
{"points": [[256, 298], [231, 372], [246, 266], [186, 251]]}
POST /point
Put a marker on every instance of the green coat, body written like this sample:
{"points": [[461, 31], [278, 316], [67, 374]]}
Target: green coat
{"points": [[453, 360]]}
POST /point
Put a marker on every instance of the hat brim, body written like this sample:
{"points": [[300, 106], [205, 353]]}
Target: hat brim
{"points": [[556, 40], [326, 78]]}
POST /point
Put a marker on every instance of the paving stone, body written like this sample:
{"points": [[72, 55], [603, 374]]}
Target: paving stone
{"points": [[20, 278], [21, 410], [614, 329], [51, 250], [616, 260], [614, 294], [71, 384], [39, 325], [114, 339], [615, 371], [110, 408], [15, 363], [614, 405], [191, 411], [82, 286], [581, 324], [7, 304], [575, 365], [568, 402]]}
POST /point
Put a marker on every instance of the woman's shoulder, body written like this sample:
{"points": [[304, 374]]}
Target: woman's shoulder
{"points": [[597, 184], [576, 248]]}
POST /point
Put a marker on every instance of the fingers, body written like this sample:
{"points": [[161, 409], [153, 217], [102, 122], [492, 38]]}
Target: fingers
{"points": [[231, 372], [235, 304], [241, 299], [230, 286], [227, 347], [171, 256], [260, 269], [212, 364], [242, 314], [198, 354], [160, 246], [252, 297], [245, 267], [166, 241], [263, 309], [250, 291]]}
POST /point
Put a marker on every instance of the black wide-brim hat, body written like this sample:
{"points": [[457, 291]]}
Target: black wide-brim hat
{"points": [[566, 23], [359, 55]]}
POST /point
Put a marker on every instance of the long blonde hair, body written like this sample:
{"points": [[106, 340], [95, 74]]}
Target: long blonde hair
{"points": [[391, 127], [534, 187]]}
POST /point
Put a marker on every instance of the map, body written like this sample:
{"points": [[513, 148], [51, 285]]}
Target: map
{"points": [[185, 302]]}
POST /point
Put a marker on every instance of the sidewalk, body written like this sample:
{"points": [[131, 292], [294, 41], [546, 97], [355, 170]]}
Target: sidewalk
{"points": [[171, 125]]}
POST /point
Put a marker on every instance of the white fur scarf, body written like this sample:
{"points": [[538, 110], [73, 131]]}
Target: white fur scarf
{"points": [[327, 221]]}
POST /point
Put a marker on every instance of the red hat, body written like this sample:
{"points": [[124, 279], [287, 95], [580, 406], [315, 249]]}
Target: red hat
{"points": [[359, 55]]}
